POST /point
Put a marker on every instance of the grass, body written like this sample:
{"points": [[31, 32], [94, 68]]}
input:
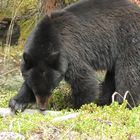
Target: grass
{"points": [[113, 122]]}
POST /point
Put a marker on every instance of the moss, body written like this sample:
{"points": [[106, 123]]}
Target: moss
{"points": [[61, 97], [109, 122]]}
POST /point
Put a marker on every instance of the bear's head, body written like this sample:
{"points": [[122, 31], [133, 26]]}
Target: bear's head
{"points": [[43, 65]]}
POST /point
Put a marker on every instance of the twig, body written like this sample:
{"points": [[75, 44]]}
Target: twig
{"points": [[4, 74], [104, 122], [66, 117], [123, 97]]}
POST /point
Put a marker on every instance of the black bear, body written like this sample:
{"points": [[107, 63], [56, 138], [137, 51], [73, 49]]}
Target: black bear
{"points": [[73, 43]]}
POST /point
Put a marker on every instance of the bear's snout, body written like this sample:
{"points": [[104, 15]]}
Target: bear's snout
{"points": [[42, 102]]}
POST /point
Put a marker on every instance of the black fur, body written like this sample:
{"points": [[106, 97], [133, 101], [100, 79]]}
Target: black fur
{"points": [[75, 42]]}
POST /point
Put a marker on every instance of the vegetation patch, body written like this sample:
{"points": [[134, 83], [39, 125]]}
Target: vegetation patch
{"points": [[109, 122]]}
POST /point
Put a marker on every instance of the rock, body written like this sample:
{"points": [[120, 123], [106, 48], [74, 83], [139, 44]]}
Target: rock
{"points": [[11, 136], [6, 112]]}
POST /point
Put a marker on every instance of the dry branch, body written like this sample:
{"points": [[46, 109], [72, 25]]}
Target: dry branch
{"points": [[6, 112]]}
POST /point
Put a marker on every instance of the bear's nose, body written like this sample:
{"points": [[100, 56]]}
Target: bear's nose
{"points": [[42, 109]]}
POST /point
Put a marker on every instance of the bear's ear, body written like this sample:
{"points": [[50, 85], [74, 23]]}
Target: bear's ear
{"points": [[28, 60], [53, 60]]}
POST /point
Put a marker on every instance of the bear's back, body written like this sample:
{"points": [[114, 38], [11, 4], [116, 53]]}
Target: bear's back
{"points": [[100, 6]]}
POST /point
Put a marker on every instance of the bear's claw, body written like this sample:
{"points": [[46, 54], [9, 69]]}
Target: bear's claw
{"points": [[17, 105]]}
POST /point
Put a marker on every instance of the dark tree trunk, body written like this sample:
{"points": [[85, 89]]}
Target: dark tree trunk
{"points": [[136, 1], [9, 31]]}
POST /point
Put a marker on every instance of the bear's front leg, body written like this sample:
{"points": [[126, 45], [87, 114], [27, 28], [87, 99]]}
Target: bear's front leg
{"points": [[21, 100]]}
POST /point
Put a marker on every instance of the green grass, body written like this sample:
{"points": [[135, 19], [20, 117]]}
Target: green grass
{"points": [[113, 122], [5, 96]]}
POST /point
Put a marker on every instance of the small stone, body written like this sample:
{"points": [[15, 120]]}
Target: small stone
{"points": [[11, 136]]}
